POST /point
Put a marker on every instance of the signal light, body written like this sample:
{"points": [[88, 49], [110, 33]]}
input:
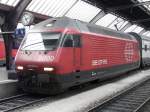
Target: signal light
{"points": [[48, 69]]}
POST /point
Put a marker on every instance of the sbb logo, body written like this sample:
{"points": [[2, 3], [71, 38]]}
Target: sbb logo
{"points": [[128, 52], [99, 62]]}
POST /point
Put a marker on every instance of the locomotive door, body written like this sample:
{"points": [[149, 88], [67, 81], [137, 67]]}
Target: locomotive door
{"points": [[72, 41], [77, 52]]}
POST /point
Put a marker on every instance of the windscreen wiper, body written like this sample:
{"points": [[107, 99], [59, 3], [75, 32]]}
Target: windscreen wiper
{"points": [[32, 44]]}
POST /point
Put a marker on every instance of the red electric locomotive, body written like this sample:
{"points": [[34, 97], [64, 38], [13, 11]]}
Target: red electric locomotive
{"points": [[2, 52], [61, 52]]}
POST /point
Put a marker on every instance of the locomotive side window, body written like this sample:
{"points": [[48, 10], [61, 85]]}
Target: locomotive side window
{"points": [[68, 41], [72, 41], [77, 41]]}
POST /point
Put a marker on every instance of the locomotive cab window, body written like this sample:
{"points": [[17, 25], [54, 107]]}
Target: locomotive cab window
{"points": [[41, 41]]}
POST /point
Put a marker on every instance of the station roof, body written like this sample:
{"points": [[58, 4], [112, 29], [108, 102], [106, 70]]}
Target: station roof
{"points": [[114, 14]]}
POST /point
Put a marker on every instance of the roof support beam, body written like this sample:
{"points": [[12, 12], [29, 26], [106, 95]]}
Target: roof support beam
{"points": [[11, 20], [123, 7], [98, 16], [112, 22], [146, 33], [39, 17], [143, 31], [141, 20], [126, 26], [71, 7], [5, 7]]}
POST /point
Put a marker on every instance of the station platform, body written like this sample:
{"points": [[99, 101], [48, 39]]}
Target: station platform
{"points": [[8, 87], [84, 101], [7, 75], [3, 74]]}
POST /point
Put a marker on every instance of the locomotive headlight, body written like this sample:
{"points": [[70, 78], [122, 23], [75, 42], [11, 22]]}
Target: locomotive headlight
{"points": [[48, 69], [20, 67]]}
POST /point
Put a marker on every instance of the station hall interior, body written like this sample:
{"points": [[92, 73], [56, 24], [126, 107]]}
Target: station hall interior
{"points": [[75, 55]]}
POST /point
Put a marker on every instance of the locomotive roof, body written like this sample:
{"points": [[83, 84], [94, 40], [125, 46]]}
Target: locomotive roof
{"points": [[55, 23], [65, 22]]}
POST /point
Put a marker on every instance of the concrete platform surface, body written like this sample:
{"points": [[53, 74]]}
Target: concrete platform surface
{"points": [[83, 101], [6, 75], [3, 74], [7, 87]]}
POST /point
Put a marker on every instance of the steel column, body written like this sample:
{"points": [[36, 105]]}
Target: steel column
{"points": [[123, 7], [10, 24]]}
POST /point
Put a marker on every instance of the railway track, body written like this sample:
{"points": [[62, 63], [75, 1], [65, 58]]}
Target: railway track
{"points": [[18, 101], [131, 100]]}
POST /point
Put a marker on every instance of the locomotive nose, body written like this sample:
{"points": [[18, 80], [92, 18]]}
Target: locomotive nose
{"points": [[35, 60], [46, 69]]}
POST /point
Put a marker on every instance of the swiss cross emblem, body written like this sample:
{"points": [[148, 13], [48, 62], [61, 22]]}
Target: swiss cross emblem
{"points": [[128, 52]]}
